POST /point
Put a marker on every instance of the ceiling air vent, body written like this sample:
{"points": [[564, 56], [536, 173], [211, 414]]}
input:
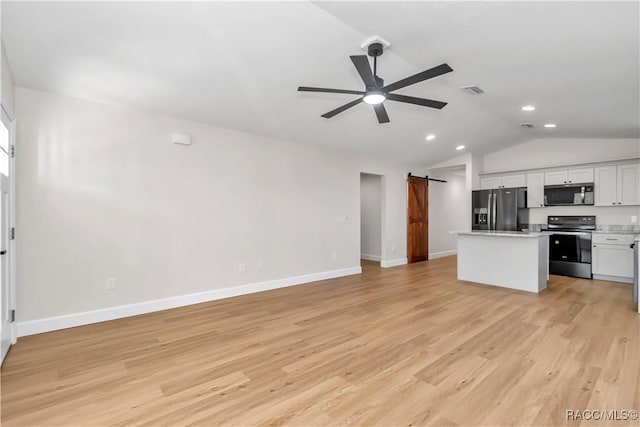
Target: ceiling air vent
{"points": [[472, 90], [526, 125]]}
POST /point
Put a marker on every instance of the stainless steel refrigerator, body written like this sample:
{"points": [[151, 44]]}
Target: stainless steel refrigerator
{"points": [[502, 209]]}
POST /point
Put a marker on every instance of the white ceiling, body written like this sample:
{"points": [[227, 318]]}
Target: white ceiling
{"points": [[238, 65]]}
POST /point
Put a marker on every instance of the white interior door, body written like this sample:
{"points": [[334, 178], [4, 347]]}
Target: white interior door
{"points": [[4, 266], [5, 287]]}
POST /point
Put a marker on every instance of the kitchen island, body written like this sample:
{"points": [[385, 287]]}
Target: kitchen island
{"points": [[509, 259]]}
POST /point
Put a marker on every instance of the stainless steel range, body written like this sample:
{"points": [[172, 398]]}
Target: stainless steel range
{"points": [[570, 245]]}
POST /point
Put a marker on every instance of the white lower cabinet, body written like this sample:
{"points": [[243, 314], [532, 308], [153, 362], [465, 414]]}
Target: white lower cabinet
{"points": [[612, 257]]}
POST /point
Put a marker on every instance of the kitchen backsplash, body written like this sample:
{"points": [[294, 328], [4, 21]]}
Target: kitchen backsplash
{"points": [[605, 215], [611, 228]]}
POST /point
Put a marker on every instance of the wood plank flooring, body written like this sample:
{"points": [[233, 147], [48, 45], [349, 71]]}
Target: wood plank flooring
{"points": [[407, 346]]}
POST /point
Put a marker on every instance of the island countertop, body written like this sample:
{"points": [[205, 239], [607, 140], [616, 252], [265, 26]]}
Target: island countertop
{"points": [[509, 259], [492, 233]]}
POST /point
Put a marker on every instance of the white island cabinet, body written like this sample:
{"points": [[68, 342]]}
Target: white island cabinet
{"points": [[515, 260]]}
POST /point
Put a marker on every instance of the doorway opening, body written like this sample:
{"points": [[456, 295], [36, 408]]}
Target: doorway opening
{"points": [[370, 220]]}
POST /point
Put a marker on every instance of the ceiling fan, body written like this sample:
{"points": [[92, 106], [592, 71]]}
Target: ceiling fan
{"points": [[376, 92]]}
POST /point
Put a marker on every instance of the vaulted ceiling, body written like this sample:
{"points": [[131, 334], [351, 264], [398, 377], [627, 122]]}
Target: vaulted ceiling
{"points": [[238, 64]]}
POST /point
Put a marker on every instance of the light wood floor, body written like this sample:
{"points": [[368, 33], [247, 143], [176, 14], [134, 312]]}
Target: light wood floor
{"points": [[404, 346]]}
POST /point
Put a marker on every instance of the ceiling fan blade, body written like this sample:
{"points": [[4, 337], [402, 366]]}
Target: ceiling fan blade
{"points": [[417, 78], [362, 65], [381, 112], [321, 89], [341, 109], [418, 101]]}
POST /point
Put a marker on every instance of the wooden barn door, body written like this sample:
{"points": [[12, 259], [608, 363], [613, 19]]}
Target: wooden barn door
{"points": [[418, 219]]}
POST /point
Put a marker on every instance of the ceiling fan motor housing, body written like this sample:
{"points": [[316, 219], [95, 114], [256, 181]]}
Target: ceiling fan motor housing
{"points": [[375, 49]]}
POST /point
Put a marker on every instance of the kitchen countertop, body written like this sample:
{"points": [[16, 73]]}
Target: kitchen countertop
{"points": [[521, 234], [616, 232]]}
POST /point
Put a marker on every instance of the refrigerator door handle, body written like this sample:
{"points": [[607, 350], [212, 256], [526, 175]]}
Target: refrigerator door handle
{"points": [[490, 216], [495, 211]]}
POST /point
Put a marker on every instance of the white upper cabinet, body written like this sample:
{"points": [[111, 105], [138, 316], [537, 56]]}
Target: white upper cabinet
{"points": [[613, 185], [511, 181], [535, 190], [556, 177], [506, 181], [605, 186], [580, 176], [571, 176], [617, 185], [628, 185], [490, 183]]}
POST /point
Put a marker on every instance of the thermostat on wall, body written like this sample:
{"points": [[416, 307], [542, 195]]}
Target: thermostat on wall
{"points": [[180, 138]]}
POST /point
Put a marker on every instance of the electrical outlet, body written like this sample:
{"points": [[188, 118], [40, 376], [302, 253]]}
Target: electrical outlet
{"points": [[335, 255], [634, 218], [242, 267], [111, 283], [260, 265], [393, 248]]}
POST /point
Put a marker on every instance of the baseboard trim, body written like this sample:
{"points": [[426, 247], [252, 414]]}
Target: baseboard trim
{"points": [[370, 257], [442, 254], [613, 278], [393, 262], [49, 324]]}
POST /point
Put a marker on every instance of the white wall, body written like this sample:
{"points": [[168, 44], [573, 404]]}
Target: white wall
{"points": [[546, 153], [6, 83], [103, 193], [370, 216], [447, 210], [472, 165]]}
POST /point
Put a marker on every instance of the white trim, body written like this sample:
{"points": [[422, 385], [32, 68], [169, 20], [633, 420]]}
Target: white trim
{"points": [[435, 255], [393, 262], [85, 318], [370, 257], [7, 112], [619, 279]]}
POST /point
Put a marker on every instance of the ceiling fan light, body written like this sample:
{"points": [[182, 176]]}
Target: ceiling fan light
{"points": [[374, 98]]}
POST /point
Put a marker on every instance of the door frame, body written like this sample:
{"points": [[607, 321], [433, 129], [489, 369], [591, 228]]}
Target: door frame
{"points": [[9, 121], [381, 211]]}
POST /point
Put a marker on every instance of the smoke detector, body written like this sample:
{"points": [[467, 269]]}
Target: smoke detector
{"points": [[526, 125], [472, 90], [374, 39]]}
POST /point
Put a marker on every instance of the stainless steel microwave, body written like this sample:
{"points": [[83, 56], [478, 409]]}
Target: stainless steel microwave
{"points": [[568, 194]]}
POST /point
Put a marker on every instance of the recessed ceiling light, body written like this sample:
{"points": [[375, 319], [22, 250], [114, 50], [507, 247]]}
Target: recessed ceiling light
{"points": [[550, 125], [528, 108], [460, 147], [430, 137]]}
